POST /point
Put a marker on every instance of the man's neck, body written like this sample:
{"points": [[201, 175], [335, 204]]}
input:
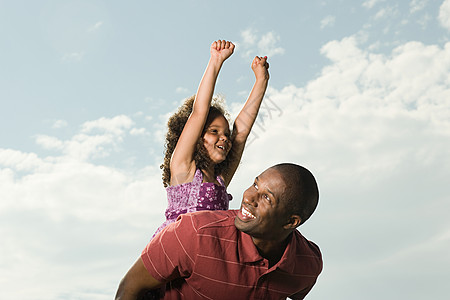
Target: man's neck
{"points": [[272, 250]]}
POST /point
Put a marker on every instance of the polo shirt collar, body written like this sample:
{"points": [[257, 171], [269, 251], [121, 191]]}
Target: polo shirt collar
{"points": [[288, 260], [248, 252], [247, 249]]}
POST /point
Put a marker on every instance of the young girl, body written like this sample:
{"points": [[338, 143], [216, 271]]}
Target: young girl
{"points": [[202, 154]]}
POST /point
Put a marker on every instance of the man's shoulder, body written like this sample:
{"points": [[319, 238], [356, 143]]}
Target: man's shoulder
{"points": [[306, 246], [308, 251], [202, 220]]}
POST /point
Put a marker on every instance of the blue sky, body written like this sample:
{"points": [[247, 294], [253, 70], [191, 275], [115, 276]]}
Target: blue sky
{"points": [[358, 94]]}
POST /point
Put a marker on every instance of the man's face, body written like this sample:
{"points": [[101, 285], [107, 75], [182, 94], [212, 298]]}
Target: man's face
{"points": [[263, 212]]}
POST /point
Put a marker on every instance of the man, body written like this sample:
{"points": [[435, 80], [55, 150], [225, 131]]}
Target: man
{"points": [[252, 253]]}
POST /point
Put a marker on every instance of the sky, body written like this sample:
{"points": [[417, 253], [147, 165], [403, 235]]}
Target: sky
{"points": [[359, 94]]}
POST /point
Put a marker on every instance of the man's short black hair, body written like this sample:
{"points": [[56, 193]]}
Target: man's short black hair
{"points": [[302, 195]]}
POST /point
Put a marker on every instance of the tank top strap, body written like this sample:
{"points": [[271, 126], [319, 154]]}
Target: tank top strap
{"points": [[220, 180], [195, 190]]}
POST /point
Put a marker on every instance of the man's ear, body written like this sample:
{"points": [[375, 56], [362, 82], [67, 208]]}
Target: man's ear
{"points": [[293, 222]]}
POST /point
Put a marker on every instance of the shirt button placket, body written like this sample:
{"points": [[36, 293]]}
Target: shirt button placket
{"points": [[261, 291]]}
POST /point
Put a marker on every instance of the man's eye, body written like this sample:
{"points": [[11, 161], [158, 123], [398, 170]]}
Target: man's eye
{"points": [[267, 197], [255, 185]]}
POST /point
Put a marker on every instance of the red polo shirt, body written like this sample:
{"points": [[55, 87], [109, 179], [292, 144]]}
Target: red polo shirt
{"points": [[205, 256]]}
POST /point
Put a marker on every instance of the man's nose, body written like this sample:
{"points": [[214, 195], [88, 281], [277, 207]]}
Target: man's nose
{"points": [[250, 197]]}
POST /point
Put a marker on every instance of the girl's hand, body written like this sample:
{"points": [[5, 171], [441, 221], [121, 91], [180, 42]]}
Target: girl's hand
{"points": [[221, 50], [260, 67]]}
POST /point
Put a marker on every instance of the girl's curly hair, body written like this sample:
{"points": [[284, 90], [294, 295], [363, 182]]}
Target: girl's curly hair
{"points": [[175, 127]]}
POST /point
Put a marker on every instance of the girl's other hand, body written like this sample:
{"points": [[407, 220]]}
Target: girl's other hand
{"points": [[260, 67], [222, 49]]}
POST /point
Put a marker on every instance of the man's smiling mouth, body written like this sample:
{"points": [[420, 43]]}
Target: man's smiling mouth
{"points": [[246, 213]]}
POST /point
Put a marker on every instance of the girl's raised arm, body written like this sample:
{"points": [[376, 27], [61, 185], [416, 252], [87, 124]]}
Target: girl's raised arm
{"points": [[182, 164], [247, 116]]}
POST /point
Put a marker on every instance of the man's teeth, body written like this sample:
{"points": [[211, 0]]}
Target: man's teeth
{"points": [[246, 213]]}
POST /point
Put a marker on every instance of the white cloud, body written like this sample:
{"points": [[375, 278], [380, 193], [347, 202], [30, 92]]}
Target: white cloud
{"points": [[59, 124], [20, 161], [73, 56], [115, 125], [96, 139], [267, 44], [417, 5], [424, 20], [49, 142], [139, 131], [182, 90], [95, 27], [249, 36], [63, 212], [327, 21], [240, 78], [261, 45], [444, 14], [371, 3], [72, 217], [386, 12]]}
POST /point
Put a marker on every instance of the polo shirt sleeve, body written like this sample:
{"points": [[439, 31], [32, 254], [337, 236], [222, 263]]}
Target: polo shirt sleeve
{"points": [[171, 253], [302, 294]]}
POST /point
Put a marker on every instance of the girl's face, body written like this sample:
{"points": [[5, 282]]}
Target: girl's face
{"points": [[216, 139]]}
